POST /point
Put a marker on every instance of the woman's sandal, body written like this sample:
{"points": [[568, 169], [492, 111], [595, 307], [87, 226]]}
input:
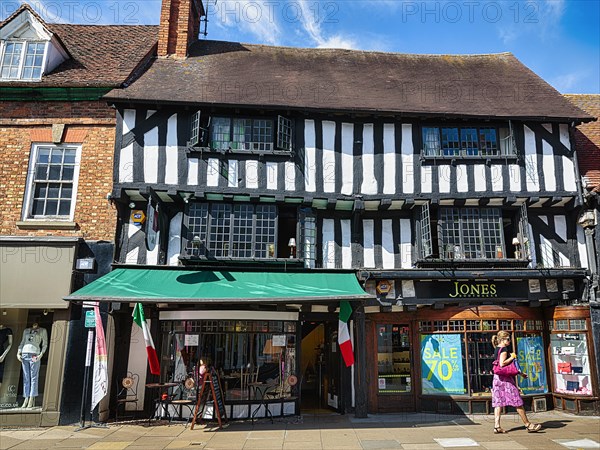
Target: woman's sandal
{"points": [[533, 427], [499, 430]]}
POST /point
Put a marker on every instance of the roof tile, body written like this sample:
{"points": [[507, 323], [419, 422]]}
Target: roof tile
{"points": [[236, 74]]}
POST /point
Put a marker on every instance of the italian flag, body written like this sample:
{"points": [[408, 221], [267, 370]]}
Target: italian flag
{"points": [[344, 333], [140, 319]]}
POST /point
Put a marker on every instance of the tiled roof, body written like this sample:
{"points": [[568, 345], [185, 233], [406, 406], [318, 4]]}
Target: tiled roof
{"points": [[587, 140], [102, 55], [246, 75]]}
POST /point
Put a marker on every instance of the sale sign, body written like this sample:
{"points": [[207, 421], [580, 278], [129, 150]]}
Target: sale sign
{"points": [[442, 364], [530, 355]]}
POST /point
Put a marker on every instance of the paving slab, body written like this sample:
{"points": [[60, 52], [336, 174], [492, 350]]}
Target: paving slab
{"points": [[456, 442], [578, 443], [431, 446], [380, 444], [263, 443], [296, 445], [264, 434], [502, 445], [114, 445], [36, 445], [7, 442]]}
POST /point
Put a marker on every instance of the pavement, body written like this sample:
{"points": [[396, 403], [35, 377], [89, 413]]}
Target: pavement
{"points": [[325, 431]]}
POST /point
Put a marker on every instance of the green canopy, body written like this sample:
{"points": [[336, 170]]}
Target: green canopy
{"points": [[219, 286]]}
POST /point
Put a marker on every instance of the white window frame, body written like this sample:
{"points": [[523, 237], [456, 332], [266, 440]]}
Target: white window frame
{"points": [[29, 189], [22, 60]]}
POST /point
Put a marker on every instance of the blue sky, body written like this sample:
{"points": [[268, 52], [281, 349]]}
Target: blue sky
{"points": [[558, 39]]}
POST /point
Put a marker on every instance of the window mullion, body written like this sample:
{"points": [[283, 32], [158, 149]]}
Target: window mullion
{"points": [[253, 240], [231, 229], [481, 234], [22, 60]]}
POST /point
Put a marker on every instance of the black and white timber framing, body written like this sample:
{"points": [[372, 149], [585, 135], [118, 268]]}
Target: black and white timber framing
{"points": [[362, 177]]}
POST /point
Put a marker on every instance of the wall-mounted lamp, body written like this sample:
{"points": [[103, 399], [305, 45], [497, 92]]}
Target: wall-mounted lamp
{"points": [[292, 246], [131, 205], [516, 244], [187, 197]]}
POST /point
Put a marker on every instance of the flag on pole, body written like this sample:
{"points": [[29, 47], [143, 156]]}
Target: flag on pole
{"points": [[100, 382], [140, 319], [344, 333]]}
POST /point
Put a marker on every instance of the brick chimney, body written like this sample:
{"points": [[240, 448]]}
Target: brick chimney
{"points": [[179, 26]]}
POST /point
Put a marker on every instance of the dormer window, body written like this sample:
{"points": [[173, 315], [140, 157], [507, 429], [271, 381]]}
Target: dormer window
{"points": [[28, 49], [22, 60]]}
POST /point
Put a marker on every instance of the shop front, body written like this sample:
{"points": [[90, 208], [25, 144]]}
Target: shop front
{"points": [[432, 351], [35, 274], [572, 356], [259, 330]]}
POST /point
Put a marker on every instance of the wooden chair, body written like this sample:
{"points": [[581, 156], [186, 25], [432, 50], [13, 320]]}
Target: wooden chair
{"points": [[247, 379], [127, 392]]}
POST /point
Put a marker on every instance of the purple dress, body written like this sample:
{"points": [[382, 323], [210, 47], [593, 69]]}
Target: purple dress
{"points": [[504, 389]]}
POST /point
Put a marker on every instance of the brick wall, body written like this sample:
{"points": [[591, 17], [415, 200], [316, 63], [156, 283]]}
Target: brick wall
{"points": [[92, 124], [587, 140], [179, 27]]}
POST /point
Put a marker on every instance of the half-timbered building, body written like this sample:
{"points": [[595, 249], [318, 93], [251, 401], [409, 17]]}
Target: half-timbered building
{"points": [[266, 175]]}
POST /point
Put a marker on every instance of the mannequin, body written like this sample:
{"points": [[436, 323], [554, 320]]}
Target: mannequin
{"points": [[6, 337], [33, 346]]}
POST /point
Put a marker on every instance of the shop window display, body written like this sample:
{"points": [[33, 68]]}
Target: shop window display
{"points": [[241, 351], [571, 364], [393, 359], [24, 344], [460, 363]]}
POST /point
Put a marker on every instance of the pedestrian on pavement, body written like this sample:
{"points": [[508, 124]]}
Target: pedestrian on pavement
{"points": [[504, 389]]}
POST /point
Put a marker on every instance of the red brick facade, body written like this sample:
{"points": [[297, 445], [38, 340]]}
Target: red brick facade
{"points": [[587, 140], [91, 124]]}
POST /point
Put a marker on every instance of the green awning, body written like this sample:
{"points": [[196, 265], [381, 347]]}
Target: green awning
{"points": [[220, 286]]}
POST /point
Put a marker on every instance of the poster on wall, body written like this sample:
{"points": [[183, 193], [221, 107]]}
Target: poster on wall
{"points": [[530, 355], [441, 364]]}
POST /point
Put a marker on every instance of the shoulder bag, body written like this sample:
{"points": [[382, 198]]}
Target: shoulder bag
{"points": [[509, 370]]}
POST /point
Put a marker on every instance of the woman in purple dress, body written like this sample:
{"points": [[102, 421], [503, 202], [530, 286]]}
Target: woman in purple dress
{"points": [[504, 389]]}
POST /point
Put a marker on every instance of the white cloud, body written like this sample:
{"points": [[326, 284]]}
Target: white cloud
{"points": [[568, 81], [254, 17], [539, 18], [337, 41], [312, 27]]}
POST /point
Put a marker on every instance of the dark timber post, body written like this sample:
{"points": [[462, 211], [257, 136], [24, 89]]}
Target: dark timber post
{"points": [[360, 411]]}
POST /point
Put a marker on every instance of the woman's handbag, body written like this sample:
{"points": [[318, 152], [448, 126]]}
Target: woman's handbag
{"points": [[509, 370]]}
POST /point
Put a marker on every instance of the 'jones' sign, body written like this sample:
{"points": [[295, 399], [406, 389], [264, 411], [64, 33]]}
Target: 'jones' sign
{"points": [[471, 289]]}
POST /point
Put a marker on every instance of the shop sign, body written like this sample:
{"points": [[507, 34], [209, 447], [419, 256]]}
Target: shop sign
{"points": [[137, 218], [90, 319], [530, 355], [278, 340], [384, 287], [471, 289], [191, 340], [441, 364]]}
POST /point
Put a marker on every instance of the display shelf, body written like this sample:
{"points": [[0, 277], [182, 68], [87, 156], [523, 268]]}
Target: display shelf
{"points": [[571, 349], [481, 356]]}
